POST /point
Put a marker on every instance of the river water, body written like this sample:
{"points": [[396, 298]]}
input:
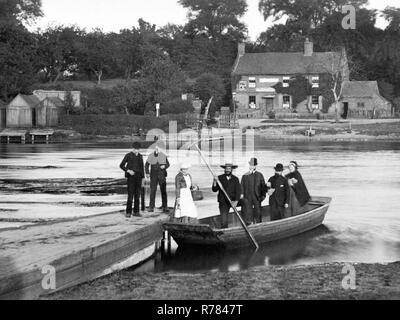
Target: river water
{"points": [[362, 225]]}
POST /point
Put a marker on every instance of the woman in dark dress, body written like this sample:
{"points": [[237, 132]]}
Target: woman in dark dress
{"points": [[299, 196]]}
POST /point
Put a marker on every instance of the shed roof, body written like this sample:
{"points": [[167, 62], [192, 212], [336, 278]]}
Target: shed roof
{"points": [[285, 63], [31, 100], [56, 101], [360, 89]]}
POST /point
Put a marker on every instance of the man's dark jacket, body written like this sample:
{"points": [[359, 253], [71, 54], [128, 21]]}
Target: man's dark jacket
{"points": [[281, 195], [133, 162], [253, 184], [232, 188]]}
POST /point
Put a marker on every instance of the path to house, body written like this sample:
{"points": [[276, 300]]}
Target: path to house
{"points": [[79, 250]]}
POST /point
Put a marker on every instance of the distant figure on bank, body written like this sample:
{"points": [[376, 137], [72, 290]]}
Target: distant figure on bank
{"points": [[299, 195], [185, 209], [133, 166], [279, 192], [233, 188], [254, 191], [156, 169]]}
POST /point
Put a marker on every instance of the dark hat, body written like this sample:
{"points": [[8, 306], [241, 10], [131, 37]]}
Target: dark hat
{"points": [[296, 165], [136, 145], [279, 167], [253, 162], [230, 165]]}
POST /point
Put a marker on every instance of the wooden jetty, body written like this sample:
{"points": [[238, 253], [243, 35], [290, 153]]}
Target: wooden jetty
{"points": [[42, 133], [77, 251], [9, 134]]}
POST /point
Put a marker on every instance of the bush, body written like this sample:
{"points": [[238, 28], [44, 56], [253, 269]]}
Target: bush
{"points": [[106, 125], [176, 106]]}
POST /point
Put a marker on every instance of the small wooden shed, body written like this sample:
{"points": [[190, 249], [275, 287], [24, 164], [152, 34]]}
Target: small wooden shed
{"points": [[27, 111]]}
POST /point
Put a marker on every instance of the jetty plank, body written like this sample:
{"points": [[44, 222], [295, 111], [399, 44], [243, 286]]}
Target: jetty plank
{"points": [[79, 251]]}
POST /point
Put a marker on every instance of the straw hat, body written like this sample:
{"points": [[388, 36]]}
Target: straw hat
{"points": [[185, 165]]}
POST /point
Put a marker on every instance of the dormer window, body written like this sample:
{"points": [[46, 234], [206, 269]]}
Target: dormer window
{"points": [[315, 81], [286, 82], [252, 82]]}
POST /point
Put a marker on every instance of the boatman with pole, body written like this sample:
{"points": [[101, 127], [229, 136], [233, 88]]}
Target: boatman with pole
{"points": [[233, 188]]}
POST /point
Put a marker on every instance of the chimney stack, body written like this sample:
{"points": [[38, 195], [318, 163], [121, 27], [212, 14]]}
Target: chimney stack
{"points": [[241, 49], [308, 48]]}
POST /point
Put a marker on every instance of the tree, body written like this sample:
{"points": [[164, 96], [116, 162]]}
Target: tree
{"points": [[215, 18], [20, 10], [58, 51], [306, 15], [96, 53], [210, 85], [18, 60]]}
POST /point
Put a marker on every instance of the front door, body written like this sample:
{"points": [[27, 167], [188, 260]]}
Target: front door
{"points": [[345, 110], [269, 105], [3, 118], [34, 117]]}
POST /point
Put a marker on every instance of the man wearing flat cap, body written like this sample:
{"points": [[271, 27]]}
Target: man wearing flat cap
{"points": [[254, 190], [133, 166], [156, 168], [279, 193], [232, 187]]}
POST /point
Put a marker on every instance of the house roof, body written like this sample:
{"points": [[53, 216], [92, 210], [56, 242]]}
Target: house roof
{"points": [[285, 63], [360, 89]]}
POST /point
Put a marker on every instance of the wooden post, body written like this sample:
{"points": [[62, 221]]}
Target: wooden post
{"points": [[8, 139], [23, 139], [33, 139], [47, 139]]}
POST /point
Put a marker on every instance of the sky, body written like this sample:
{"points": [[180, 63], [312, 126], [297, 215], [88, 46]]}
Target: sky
{"points": [[114, 15]]}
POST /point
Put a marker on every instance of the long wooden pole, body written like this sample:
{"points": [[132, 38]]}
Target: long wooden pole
{"points": [[254, 242]]}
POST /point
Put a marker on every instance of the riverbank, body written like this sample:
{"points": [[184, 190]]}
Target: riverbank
{"points": [[373, 281], [289, 130]]}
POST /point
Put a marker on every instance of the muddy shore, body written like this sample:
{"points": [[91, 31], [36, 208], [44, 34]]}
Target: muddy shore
{"points": [[373, 281]]}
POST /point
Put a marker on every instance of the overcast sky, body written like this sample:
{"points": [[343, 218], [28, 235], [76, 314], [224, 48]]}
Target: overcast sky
{"points": [[113, 15]]}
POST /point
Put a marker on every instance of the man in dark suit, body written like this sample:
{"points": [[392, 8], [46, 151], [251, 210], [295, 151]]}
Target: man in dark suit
{"points": [[279, 193], [133, 166], [232, 187], [254, 190], [156, 168]]}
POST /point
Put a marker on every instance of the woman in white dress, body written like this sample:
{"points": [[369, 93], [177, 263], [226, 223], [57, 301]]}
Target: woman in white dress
{"points": [[185, 209]]}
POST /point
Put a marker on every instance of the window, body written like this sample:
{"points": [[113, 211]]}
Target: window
{"points": [[315, 102], [360, 104], [286, 81], [242, 85], [315, 82], [286, 102], [252, 82], [252, 102]]}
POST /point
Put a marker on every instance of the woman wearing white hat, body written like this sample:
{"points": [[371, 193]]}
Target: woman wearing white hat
{"points": [[185, 208]]}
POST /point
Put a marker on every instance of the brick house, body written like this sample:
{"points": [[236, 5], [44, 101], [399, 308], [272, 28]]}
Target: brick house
{"points": [[255, 76]]}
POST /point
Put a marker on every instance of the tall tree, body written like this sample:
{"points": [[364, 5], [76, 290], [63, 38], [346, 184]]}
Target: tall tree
{"points": [[306, 15], [97, 54], [18, 60], [216, 18], [20, 10], [58, 51]]}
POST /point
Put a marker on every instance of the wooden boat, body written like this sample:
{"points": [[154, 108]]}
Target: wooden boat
{"points": [[206, 232]]}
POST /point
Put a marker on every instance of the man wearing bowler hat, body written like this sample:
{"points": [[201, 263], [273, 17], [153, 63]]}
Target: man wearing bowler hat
{"points": [[232, 187], [279, 193], [133, 166], [254, 190]]}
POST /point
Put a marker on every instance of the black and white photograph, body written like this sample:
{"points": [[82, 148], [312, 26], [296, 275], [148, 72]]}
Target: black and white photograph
{"points": [[199, 154]]}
